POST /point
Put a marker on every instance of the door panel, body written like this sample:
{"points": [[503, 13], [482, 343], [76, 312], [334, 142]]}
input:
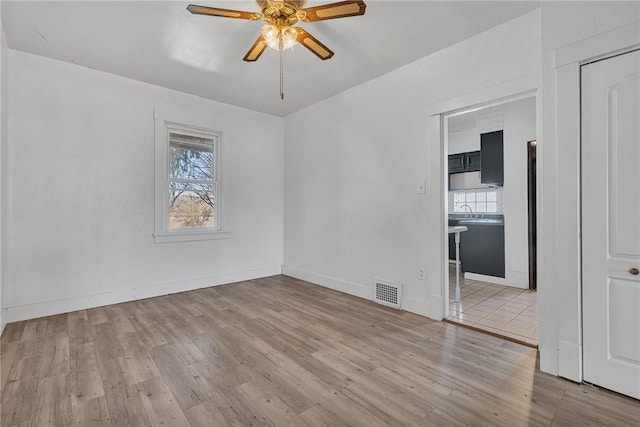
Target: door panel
{"points": [[624, 171], [622, 296], [610, 103], [473, 161], [456, 163]]}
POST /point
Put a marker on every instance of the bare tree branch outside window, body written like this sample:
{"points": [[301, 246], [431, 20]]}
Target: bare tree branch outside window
{"points": [[192, 185]]}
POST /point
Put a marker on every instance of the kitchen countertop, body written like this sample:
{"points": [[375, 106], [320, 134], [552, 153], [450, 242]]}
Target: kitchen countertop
{"points": [[476, 219], [480, 222]]}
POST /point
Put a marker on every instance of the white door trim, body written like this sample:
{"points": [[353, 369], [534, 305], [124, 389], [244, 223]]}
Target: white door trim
{"points": [[603, 45], [567, 235], [487, 97], [513, 90]]}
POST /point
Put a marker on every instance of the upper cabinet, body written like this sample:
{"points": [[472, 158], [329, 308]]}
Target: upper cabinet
{"points": [[464, 162], [473, 161], [456, 163], [492, 159]]}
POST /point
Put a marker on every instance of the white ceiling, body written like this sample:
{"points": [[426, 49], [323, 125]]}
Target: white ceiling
{"points": [[159, 42]]}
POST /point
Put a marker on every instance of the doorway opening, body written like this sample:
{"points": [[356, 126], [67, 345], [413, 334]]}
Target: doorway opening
{"points": [[491, 195]]}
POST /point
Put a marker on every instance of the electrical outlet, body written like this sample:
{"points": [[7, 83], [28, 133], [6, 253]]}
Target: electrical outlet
{"points": [[422, 273]]}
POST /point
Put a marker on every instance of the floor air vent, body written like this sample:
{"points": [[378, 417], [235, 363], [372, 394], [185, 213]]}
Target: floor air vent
{"points": [[388, 293]]}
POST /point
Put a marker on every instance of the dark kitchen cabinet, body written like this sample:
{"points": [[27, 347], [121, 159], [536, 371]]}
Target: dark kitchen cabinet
{"points": [[492, 159], [473, 161], [482, 249], [452, 247], [452, 242], [456, 163], [464, 162]]}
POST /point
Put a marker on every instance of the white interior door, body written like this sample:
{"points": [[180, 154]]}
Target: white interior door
{"points": [[611, 223]]}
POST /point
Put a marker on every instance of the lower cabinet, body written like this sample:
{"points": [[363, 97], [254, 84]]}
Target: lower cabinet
{"points": [[482, 249], [452, 242], [452, 247]]}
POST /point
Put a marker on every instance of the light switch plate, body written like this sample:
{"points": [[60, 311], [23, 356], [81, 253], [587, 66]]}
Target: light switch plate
{"points": [[422, 188]]}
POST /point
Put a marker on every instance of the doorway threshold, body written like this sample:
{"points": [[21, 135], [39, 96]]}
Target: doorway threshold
{"points": [[493, 334]]}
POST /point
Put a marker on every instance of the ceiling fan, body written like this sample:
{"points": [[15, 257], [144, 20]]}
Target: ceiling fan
{"points": [[278, 31]]}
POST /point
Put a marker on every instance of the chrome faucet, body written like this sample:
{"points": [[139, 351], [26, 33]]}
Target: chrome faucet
{"points": [[465, 205]]}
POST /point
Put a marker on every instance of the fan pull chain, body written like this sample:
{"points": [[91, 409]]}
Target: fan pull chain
{"points": [[281, 70]]}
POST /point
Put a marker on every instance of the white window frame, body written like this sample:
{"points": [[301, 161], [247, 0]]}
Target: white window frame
{"points": [[187, 125]]}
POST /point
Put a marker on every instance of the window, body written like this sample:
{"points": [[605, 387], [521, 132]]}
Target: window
{"points": [[188, 192], [192, 181], [475, 201]]}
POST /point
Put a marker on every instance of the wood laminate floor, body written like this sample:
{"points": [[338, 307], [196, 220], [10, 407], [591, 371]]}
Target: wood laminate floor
{"points": [[279, 351]]}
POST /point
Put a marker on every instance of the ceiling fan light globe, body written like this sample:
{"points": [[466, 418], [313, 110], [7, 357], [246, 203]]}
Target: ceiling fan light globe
{"points": [[270, 33], [289, 37]]}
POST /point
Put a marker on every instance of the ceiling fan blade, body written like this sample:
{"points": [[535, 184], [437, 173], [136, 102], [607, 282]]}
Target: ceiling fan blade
{"points": [[256, 50], [334, 10], [224, 13], [311, 43]]}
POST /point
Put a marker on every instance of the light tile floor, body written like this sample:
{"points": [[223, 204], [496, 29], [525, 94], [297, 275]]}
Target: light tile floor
{"points": [[503, 310]]}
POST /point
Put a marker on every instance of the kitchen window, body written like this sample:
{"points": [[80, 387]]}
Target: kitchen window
{"points": [[188, 180], [484, 201]]}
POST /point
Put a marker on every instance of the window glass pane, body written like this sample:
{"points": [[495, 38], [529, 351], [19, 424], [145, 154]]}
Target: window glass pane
{"points": [[191, 209], [458, 197], [191, 157], [481, 197], [491, 196], [471, 197], [492, 207], [481, 207]]}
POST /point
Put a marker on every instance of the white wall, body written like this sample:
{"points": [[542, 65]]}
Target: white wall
{"points": [[564, 23], [518, 120], [81, 192], [353, 162], [519, 127], [3, 168], [463, 141]]}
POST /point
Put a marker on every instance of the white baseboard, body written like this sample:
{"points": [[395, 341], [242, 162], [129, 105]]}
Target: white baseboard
{"points": [[570, 360], [431, 308], [548, 358], [497, 280], [423, 307], [340, 285], [3, 321], [66, 305]]}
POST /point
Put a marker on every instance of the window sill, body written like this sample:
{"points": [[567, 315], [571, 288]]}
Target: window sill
{"points": [[190, 236]]}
